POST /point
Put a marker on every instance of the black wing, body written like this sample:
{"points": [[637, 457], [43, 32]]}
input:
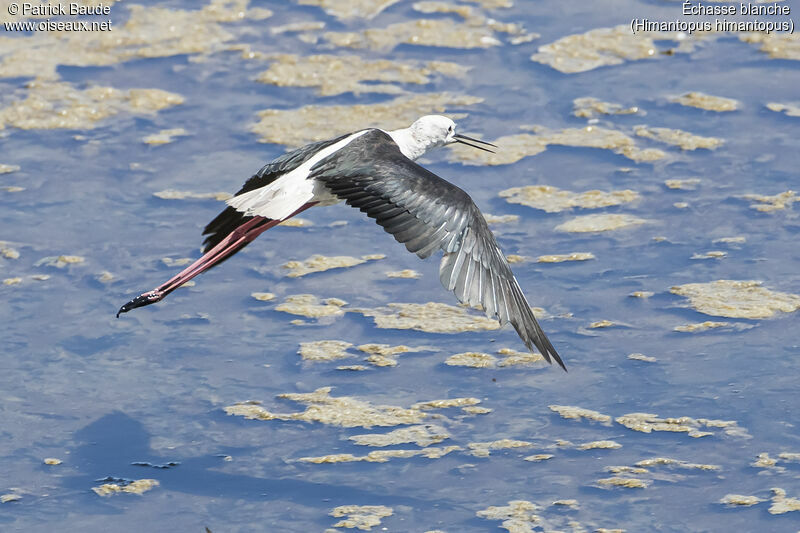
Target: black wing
{"points": [[427, 213], [230, 219]]}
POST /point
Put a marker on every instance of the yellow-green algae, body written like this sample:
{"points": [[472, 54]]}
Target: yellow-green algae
{"points": [[10, 497], [706, 101], [385, 354], [627, 470], [12, 281], [740, 500], [680, 138], [700, 326], [173, 194], [59, 105], [779, 45], [688, 184], [381, 456], [349, 9], [363, 517], [321, 263], [519, 516], [737, 299], [589, 107], [781, 504], [539, 457], [647, 423], [500, 219], [601, 324], [324, 350], [641, 294], [139, 486], [553, 200], [344, 411], [789, 109], [7, 169], [712, 254], [445, 404], [337, 74], [164, 136], [560, 258], [421, 435], [170, 262], [662, 461], [730, 240], [403, 274], [476, 30], [471, 359], [642, 357], [518, 146], [483, 449], [600, 444], [52, 461], [777, 202], [626, 482], [310, 306], [600, 222], [476, 410], [296, 127], [513, 357], [431, 317], [595, 48], [764, 461], [148, 32], [60, 261], [8, 252], [263, 296], [576, 413]]}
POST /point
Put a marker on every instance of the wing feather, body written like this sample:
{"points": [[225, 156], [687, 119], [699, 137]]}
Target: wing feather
{"points": [[426, 213]]}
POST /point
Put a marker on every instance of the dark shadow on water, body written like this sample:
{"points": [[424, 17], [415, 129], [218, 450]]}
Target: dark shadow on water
{"points": [[110, 445]]}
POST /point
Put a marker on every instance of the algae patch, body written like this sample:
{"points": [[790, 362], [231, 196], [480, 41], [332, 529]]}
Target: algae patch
{"points": [[421, 435], [736, 299], [337, 74], [431, 317], [296, 127], [363, 517], [518, 146], [683, 139], [59, 105], [321, 263], [324, 350], [707, 101], [310, 306], [600, 222], [139, 486], [553, 200]]}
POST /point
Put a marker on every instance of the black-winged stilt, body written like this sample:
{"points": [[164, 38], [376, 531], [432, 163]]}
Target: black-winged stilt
{"points": [[374, 170]]}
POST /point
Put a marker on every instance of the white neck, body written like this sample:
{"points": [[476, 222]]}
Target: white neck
{"points": [[409, 144]]}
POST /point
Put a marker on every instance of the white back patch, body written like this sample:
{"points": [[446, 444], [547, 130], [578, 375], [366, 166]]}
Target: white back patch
{"points": [[288, 193]]}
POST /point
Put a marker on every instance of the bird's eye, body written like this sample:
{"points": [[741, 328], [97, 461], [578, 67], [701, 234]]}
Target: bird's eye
{"points": [[450, 129]]}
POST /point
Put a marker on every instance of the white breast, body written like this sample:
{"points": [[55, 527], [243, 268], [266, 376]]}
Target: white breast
{"points": [[279, 199]]}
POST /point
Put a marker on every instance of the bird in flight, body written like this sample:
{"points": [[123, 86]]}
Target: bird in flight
{"points": [[374, 171]]}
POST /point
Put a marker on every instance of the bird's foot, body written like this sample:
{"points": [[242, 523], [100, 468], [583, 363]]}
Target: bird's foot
{"points": [[141, 300]]}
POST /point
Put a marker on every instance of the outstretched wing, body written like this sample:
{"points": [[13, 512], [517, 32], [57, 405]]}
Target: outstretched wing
{"points": [[427, 213]]}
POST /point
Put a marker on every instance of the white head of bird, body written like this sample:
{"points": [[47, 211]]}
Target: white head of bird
{"points": [[428, 132]]}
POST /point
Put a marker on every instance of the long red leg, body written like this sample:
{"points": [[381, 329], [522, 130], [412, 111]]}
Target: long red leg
{"points": [[228, 246]]}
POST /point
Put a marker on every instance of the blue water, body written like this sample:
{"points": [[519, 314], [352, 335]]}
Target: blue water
{"points": [[100, 393]]}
